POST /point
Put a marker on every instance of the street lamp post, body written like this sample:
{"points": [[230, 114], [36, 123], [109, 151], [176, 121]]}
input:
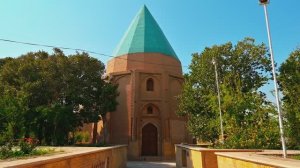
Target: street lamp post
{"points": [[219, 101], [264, 3]]}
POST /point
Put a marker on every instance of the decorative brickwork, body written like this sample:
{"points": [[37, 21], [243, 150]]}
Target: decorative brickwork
{"points": [[149, 81], [149, 76]]}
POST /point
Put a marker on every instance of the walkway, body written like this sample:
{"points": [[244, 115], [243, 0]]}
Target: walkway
{"points": [[142, 164]]}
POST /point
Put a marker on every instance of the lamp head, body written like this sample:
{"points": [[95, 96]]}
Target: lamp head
{"points": [[264, 2]]}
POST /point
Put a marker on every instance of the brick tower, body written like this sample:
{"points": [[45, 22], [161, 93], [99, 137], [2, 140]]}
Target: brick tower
{"points": [[149, 76]]}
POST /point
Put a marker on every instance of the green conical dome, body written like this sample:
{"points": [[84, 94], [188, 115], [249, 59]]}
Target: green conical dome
{"points": [[144, 36]]}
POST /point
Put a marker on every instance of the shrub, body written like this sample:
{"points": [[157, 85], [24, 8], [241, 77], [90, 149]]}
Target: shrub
{"points": [[27, 145], [80, 137], [86, 136], [6, 150]]}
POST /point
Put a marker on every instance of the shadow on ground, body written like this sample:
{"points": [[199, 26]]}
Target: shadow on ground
{"points": [[140, 164]]}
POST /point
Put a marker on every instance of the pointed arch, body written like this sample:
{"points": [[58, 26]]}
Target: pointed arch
{"points": [[149, 140], [150, 84], [149, 109]]}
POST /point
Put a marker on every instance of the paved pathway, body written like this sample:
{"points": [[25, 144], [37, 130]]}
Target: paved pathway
{"points": [[142, 164]]}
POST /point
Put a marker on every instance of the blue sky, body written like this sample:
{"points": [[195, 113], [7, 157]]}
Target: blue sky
{"points": [[190, 26]]}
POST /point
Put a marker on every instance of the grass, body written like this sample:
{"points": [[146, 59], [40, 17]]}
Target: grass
{"points": [[297, 157], [17, 154], [92, 145]]}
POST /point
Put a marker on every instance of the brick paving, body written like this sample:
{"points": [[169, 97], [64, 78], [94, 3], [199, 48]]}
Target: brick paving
{"points": [[143, 164]]}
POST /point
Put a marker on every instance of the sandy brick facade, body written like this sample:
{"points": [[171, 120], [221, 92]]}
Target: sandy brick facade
{"points": [[131, 72]]}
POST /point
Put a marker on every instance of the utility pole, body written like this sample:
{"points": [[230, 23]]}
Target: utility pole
{"points": [[219, 100], [264, 3]]}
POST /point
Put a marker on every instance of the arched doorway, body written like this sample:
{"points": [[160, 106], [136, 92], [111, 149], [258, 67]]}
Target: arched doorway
{"points": [[149, 140]]}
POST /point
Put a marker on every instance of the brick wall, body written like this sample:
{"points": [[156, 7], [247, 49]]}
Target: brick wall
{"points": [[108, 157]]}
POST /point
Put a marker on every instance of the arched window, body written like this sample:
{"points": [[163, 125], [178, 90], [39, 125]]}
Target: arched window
{"points": [[149, 110], [150, 84]]}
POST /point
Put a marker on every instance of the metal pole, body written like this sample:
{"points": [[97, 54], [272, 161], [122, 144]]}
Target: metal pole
{"points": [[275, 83], [219, 101]]}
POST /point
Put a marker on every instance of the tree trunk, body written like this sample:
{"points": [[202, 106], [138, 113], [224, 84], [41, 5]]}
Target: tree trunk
{"points": [[104, 130], [95, 132]]}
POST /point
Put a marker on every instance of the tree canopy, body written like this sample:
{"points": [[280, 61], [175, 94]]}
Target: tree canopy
{"points": [[249, 120], [289, 80], [47, 96]]}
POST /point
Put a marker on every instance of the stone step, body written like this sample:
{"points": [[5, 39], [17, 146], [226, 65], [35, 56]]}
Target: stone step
{"points": [[151, 158]]}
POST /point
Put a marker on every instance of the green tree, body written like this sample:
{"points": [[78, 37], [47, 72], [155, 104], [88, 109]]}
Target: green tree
{"points": [[4, 61], [289, 80], [243, 68], [61, 93], [104, 101], [97, 96], [12, 110]]}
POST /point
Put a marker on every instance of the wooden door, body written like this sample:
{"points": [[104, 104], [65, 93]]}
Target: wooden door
{"points": [[149, 140]]}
